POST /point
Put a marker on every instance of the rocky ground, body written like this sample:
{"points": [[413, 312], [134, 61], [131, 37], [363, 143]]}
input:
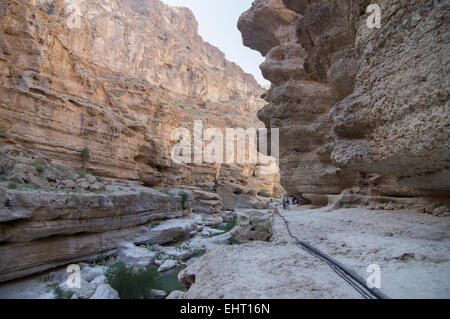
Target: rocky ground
{"points": [[413, 250], [167, 260]]}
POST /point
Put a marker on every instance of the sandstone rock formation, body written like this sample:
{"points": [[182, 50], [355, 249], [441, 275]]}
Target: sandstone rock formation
{"points": [[116, 78], [252, 225], [90, 95], [42, 228], [356, 106]]}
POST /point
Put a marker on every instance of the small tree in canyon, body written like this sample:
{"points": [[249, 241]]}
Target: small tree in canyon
{"points": [[85, 157]]}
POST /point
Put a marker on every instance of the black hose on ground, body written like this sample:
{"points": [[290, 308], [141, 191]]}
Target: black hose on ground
{"points": [[356, 281]]}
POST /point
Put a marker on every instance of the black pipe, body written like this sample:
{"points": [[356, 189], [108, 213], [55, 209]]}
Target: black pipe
{"points": [[334, 263]]}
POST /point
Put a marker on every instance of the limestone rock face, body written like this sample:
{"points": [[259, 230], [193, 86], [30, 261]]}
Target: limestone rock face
{"points": [[45, 228], [396, 121], [131, 255], [299, 103], [353, 102], [253, 224], [115, 78]]}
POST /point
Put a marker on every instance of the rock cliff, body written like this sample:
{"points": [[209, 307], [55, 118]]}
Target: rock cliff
{"points": [[116, 78], [356, 106], [90, 95]]}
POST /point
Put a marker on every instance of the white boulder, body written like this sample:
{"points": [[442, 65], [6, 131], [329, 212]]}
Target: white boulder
{"points": [[168, 264], [134, 256], [104, 291]]}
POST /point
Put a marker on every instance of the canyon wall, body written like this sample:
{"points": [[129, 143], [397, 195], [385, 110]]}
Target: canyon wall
{"points": [[116, 78], [356, 106]]}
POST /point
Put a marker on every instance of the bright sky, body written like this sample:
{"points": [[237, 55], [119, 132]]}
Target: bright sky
{"points": [[217, 21]]}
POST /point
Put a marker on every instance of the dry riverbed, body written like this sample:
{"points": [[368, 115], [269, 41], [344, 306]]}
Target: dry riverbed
{"points": [[412, 249]]}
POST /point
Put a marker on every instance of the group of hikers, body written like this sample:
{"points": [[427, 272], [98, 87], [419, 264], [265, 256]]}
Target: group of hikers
{"points": [[286, 202]]}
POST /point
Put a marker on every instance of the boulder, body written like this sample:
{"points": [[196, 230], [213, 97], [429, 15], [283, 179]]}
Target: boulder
{"points": [[198, 242], [168, 264], [90, 273], [208, 232], [91, 179], [158, 294], [104, 291], [85, 291], [257, 204], [234, 195], [99, 280], [179, 253], [83, 185], [69, 184], [253, 225], [97, 187], [134, 256], [174, 230]]}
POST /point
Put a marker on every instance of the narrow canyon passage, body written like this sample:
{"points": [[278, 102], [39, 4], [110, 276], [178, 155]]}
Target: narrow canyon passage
{"points": [[146, 147]]}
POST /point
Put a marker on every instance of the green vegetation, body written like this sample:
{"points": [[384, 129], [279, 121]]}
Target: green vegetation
{"points": [[141, 177], [165, 191], [137, 283], [228, 226], [85, 157], [348, 205], [32, 187], [263, 193], [12, 185], [184, 197], [3, 133], [235, 126], [3, 179], [47, 278], [130, 283], [211, 191], [61, 294], [64, 172], [233, 241], [198, 253], [76, 199], [104, 260], [39, 167], [82, 174]]}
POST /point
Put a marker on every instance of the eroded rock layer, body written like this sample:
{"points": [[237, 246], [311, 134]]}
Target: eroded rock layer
{"points": [[356, 105], [116, 78]]}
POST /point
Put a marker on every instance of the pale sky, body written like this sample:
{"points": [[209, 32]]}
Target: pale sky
{"points": [[217, 21]]}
